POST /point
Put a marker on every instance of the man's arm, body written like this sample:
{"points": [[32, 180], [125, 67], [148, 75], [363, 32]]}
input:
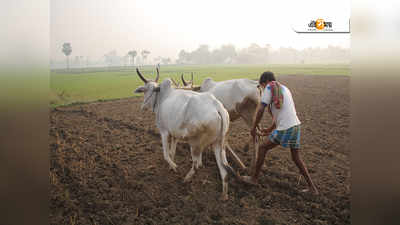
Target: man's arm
{"points": [[270, 129], [265, 99], [273, 126], [260, 113], [267, 131]]}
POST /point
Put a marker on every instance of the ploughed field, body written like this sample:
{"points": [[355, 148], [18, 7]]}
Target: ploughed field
{"points": [[107, 167]]}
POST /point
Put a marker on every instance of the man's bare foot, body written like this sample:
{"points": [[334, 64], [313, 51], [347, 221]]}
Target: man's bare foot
{"points": [[315, 191], [224, 197], [248, 180], [304, 190]]}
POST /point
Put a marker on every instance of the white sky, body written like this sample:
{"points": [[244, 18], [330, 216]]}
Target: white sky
{"points": [[95, 27]]}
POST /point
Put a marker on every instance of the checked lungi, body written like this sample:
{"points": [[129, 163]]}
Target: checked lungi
{"points": [[287, 138]]}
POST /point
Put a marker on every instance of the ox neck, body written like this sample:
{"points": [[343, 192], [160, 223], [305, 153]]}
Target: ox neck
{"points": [[208, 85], [158, 99], [155, 102]]}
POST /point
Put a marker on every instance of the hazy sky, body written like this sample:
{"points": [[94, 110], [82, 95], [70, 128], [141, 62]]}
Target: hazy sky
{"points": [[95, 27]]}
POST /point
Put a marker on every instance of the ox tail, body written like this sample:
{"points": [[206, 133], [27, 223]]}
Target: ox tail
{"points": [[223, 114]]}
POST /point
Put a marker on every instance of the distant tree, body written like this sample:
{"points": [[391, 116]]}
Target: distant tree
{"points": [[76, 61], [144, 54], [255, 54], [166, 61], [111, 58], [201, 55], [81, 61], [132, 54], [267, 51], [225, 54], [183, 57], [67, 49], [125, 59], [158, 59]]}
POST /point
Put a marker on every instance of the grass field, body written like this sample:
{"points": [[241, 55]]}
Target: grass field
{"points": [[114, 83]]}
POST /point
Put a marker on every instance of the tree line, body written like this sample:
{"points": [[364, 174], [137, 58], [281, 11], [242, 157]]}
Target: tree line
{"points": [[110, 58], [226, 54], [255, 54]]}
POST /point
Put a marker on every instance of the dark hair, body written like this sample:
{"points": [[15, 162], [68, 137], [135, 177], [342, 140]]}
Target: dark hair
{"points": [[266, 77]]}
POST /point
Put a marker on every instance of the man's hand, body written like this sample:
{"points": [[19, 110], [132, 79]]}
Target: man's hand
{"points": [[259, 115], [266, 131], [253, 132]]}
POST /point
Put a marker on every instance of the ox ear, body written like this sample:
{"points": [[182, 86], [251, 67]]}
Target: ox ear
{"points": [[140, 89]]}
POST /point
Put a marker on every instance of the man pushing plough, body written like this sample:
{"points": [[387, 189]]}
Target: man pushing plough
{"points": [[285, 130]]}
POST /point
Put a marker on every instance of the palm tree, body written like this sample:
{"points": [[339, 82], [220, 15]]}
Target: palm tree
{"points": [[144, 54], [67, 49], [133, 54], [126, 59]]}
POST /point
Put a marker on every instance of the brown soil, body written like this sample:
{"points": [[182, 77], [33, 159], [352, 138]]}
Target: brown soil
{"points": [[106, 167]]}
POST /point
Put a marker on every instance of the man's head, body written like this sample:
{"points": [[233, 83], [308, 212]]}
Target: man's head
{"points": [[265, 78]]}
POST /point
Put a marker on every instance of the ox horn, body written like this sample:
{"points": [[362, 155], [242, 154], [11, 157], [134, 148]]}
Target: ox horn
{"points": [[176, 84], [140, 75], [158, 72], [183, 80]]}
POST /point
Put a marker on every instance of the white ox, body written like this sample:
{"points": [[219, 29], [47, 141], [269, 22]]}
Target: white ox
{"points": [[197, 118], [240, 98]]}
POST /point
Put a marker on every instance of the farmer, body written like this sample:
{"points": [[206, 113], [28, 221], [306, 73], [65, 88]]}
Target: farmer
{"points": [[285, 129]]}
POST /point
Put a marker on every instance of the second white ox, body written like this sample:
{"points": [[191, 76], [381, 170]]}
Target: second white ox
{"points": [[240, 98], [197, 118]]}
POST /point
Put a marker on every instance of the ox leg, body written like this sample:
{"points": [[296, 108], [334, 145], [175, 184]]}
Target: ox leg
{"points": [[172, 149], [200, 160], [221, 159], [164, 138], [246, 110], [195, 162]]}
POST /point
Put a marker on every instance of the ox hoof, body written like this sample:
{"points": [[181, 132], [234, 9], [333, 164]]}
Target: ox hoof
{"points": [[224, 197], [189, 176], [173, 168], [248, 180]]}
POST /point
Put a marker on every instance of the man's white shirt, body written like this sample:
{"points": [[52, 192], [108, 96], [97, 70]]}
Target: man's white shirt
{"points": [[286, 116]]}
